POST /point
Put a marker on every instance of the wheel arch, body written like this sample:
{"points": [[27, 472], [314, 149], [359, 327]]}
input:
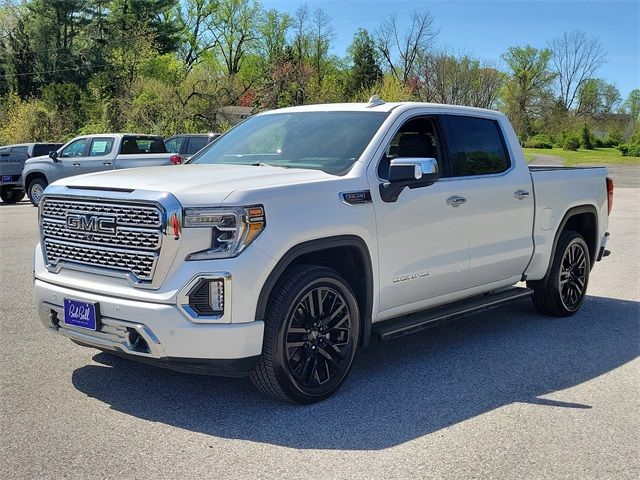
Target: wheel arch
{"points": [[345, 254], [582, 219], [31, 176]]}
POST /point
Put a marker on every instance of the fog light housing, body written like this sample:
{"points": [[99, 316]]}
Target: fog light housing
{"points": [[204, 299]]}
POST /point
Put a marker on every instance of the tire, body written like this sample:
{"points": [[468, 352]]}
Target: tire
{"points": [[312, 328], [561, 294], [11, 195], [36, 189]]}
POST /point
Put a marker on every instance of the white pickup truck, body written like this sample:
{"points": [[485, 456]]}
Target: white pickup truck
{"points": [[94, 153], [302, 233]]}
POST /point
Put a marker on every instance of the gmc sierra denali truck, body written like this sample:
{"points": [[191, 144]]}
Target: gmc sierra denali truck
{"points": [[94, 153], [302, 233]]}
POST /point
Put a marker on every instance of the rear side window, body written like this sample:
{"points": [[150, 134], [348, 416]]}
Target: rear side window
{"points": [[142, 145], [195, 144], [24, 149], [101, 147], [476, 147]]}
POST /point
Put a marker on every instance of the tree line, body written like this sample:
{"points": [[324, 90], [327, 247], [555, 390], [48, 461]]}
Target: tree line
{"points": [[168, 66]]}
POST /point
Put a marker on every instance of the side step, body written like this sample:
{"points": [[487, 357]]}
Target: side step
{"points": [[414, 322]]}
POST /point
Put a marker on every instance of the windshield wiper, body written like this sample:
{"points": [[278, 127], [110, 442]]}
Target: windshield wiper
{"points": [[262, 164]]}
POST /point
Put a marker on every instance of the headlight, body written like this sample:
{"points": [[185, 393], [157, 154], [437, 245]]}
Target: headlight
{"points": [[233, 229]]}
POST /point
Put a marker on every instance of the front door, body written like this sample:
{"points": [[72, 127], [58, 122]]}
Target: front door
{"points": [[423, 238], [84, 155]]}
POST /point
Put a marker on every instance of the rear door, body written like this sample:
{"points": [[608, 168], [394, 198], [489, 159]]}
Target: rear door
{"points": [[11, 163], [498, 199]]}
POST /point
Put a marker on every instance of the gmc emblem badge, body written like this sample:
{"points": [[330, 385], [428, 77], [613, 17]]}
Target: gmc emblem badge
{"points": [[85, 222]]}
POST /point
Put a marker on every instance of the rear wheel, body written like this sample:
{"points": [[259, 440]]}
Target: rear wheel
{"points": [[311, 334], [11, 195], [36, 189], [564, 290]]}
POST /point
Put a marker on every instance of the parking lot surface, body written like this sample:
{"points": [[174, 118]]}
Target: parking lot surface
{"points": [[506, 394]]}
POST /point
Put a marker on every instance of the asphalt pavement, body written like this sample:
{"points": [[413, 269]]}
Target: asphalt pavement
{"points": [[506, 394]]}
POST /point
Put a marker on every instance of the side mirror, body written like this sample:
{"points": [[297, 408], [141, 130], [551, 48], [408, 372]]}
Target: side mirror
{"points": [[409, 172], [53, 155]]}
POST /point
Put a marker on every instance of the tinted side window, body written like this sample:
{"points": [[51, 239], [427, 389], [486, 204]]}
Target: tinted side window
{"points": [[173, 145], [101, 147], [44, 148], [24, 149], [195, 144], [476, 147]]}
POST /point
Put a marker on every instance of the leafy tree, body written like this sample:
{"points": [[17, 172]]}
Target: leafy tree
{"points": [[366, 69], [528, 91], [596, 98]]}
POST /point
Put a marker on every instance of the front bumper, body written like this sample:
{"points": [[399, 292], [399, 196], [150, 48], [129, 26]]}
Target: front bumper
{"points": [[155, 333]]}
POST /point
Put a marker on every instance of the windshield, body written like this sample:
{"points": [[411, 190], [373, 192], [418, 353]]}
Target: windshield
{"points": [[327, 141]]}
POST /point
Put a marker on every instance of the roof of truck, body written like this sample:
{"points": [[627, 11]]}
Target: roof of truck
{"points": [[377, 105]]}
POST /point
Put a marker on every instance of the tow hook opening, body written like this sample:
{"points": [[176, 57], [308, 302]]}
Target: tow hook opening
{"points": [[137, 342], [54, 319]]}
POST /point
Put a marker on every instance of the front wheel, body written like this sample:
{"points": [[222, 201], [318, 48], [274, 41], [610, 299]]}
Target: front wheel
{"points": [[36, 189], [11, 195], [564, 290], [311, 335]]}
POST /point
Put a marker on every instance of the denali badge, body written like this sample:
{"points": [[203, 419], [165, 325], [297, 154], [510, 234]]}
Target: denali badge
{"points": [[356, 198], [85, 222]]}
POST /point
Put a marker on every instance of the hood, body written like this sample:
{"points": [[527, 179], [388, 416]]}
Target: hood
{"points": [[41, 158], [197, 184]]}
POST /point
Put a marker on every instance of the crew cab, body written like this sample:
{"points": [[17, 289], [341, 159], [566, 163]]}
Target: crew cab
{"points": [[12, 158], [93, 153], [302, 233]]}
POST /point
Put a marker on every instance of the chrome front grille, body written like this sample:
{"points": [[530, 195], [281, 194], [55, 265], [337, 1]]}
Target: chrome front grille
{"points": [[139, 238], [130, 244], [128, 215], [141, 264]]}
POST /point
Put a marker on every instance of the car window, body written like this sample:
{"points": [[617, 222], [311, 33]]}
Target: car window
{"points": [[75, 149], [44, 148], [24, 149], [416, 138], [173, 145], [476, 147], [101, 147], [195, 144], [142, 145]]}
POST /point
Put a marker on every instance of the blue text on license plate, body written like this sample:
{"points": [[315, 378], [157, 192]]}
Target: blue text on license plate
{"points": [[80, 314]]}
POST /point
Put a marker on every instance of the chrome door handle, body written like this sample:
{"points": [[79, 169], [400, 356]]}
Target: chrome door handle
{"points": [[521, 194], [106, 163], [75, 164], [456, 201]]}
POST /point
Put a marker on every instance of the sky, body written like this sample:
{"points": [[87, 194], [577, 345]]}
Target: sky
{"points": [[485, 29]]}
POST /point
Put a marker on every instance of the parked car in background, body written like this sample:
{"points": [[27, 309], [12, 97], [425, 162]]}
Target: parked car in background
{"points": [[93, 153], [12, 158], [188, 144]]}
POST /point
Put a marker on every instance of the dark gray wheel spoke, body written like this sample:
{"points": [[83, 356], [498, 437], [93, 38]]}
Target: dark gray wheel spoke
{"points": [[573, 276]]}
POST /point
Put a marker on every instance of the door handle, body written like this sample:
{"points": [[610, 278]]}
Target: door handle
{"points": [[456, 201], [76, 164], [521, 194], [106, 163]]}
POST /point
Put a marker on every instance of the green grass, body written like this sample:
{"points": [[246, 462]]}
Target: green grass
{"points": [[603, 156]]}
